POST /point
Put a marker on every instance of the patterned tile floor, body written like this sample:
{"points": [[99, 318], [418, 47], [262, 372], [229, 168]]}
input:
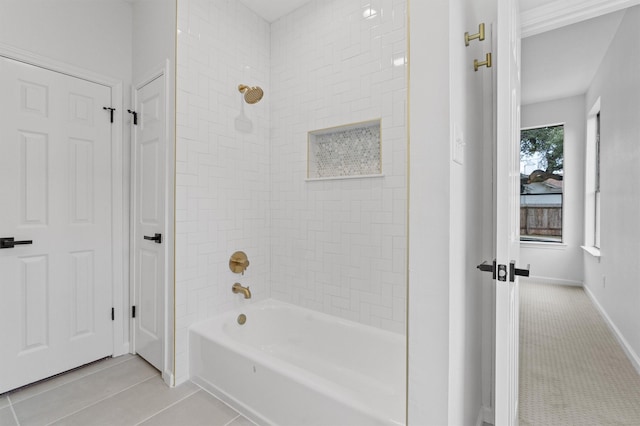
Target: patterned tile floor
{"points": [[116, 391], [573, 371]]}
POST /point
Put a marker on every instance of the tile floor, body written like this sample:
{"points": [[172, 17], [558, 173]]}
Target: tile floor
{"points": [[116, 391]]}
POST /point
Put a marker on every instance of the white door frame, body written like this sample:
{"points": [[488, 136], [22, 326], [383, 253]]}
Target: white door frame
{"points": [[507, 230], [168, 231], [118, 237]]}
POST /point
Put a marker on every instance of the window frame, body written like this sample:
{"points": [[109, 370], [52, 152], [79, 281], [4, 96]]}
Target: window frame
{"points": [[593, 181], [562, 241]]}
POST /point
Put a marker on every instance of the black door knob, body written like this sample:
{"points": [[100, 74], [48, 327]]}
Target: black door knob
{"points": [[9, 242], [157, 238]]}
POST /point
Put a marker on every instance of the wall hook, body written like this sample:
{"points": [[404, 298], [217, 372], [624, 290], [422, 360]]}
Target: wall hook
{"points": [[485, 63], [479, 35]]}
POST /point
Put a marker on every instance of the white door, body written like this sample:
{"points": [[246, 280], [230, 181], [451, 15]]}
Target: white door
{"points": [[55, 192], [507, 213], [149, 232]]}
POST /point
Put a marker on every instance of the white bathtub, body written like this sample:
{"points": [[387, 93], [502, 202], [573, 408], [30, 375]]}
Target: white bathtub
{"points": [[291, 366]]}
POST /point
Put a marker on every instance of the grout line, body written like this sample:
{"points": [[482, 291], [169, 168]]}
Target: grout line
{"points": [[73, 380], [169, 406], [103, 399], [13, 411], [233, 420]]}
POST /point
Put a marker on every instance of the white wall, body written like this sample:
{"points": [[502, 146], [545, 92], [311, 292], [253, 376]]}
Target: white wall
{"points": [[93, 35], [446, 213], [618, 86], [222, 161], [339, 246], [154, 37], [468, 111], [551, 262]]}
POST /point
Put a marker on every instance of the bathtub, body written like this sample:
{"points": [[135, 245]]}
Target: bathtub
{"points": [[291, 366]]}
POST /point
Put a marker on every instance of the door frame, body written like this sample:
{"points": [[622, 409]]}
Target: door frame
{"points": [[119, 244], [163, 70]]}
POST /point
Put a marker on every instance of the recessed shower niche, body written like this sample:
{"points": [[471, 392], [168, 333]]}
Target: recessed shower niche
{"points": [[352, 150]]}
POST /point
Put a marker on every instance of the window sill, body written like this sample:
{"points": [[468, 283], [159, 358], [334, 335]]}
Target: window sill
{"points": [[593, 251], [543, 245]]}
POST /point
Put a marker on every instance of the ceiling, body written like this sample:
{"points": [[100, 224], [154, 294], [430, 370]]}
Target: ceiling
{"points": [[562, 63]]}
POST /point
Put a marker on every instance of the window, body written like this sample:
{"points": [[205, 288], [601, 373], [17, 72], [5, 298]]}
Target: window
{"points": [[596, 224], [592, 182], [541, 183]]}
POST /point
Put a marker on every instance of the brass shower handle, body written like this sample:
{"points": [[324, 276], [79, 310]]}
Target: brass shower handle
{"points": [[238, 262]]}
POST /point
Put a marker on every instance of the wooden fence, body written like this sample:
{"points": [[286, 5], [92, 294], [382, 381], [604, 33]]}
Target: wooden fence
{"points": [[543, 221]]}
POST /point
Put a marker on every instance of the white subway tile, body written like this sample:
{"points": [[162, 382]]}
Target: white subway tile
{"points": [[242, 168]]}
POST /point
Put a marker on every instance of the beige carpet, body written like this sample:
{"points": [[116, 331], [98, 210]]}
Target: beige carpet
{"points": [[572, 369]]}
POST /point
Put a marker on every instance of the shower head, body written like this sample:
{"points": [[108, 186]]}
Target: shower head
{"points": [[252, 95]]}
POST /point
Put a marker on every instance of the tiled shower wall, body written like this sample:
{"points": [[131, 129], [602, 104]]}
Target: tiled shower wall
{"points": [[339, 246], [222, 192], [335, 246]]}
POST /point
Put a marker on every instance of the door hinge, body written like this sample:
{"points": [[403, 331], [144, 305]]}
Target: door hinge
{"points": [[133, 311], [135, 117], [113, 314], [110, 111]]}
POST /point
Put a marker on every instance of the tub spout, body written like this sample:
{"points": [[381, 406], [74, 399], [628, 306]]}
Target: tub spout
{"points": [[238, 288]]}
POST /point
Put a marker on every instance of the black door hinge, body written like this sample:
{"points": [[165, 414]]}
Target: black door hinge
{"points": [[133, 311], [113, 314], [110, 111], [135, 117]]}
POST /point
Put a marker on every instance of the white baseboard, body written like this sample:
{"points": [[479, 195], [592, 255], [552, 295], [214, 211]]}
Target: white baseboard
{"points": [[168, 378], [554, 281], [121, 349], [631, 354], [485, 415]]}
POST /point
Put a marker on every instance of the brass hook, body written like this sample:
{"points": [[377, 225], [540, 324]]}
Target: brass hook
{"points": [[485, 63], [479, 35]]}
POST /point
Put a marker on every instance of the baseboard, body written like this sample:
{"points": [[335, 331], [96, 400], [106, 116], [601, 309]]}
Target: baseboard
{"points": [[121, 349], [168, 378], [485, 415], [631, 354], [554, 281]]}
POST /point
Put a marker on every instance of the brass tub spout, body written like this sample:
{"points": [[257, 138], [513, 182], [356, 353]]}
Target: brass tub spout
{"points": [[238, 288]]}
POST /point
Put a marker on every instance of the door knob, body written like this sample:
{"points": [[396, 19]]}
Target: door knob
{"points": [[513, 271], [157, 238], [9, 242], [488, 267]]}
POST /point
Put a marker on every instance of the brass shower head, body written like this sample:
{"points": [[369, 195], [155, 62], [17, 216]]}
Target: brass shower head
{"points": [[252, 95]]}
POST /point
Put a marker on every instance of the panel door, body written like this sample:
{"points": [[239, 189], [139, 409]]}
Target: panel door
{"points": [[55, 191], [149, 221]]}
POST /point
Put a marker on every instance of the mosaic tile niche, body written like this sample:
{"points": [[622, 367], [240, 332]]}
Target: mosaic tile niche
{"points": [[352, 150]]}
